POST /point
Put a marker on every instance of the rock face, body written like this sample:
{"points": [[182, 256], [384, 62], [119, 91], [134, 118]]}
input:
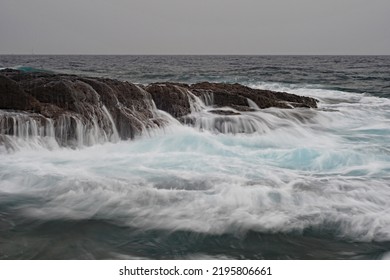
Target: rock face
{"points": [[236, 96], [172, 98], [82, 111]]}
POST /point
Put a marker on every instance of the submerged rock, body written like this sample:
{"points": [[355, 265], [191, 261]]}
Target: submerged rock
{"points": [[79, 111], [225, 112]]}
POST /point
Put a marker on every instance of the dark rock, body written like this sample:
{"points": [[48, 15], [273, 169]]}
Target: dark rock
{"points": [[224, 112], [235, 94], [77, 98], [13, 97], [171, 98], [71, 101]]}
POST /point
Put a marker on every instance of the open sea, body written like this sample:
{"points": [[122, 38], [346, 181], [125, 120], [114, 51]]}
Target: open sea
{"points": [[313, 184]]}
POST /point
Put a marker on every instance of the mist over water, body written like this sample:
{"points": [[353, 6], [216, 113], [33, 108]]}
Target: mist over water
{"points": [[274, 183]]}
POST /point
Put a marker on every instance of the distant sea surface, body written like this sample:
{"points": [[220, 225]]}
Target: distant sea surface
{"points": [[313, 184], [358, 74]]}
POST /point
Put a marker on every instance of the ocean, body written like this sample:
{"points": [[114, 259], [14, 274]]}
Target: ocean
{"points": [[308, 184]]}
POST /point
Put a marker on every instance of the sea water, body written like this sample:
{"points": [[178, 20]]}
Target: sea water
{"points": [[302, 184]]}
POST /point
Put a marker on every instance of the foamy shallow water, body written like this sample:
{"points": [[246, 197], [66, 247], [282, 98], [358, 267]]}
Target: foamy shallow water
{"points": [[309, 177]]}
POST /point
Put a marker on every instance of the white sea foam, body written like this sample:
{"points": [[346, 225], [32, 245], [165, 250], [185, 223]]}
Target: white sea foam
{"points": [[300, 169]]}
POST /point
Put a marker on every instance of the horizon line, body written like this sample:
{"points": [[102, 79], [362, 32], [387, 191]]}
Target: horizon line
{"points": [[81, 54]]}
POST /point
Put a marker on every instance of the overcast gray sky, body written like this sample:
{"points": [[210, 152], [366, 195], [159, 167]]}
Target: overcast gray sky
{"points": [[195, 27]]}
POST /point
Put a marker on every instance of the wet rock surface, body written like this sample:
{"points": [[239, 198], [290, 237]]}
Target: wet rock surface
{"points": [[234, 95], [77, 106]]}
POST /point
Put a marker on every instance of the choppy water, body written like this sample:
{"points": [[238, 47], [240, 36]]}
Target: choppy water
{"points": [[310, 184]]}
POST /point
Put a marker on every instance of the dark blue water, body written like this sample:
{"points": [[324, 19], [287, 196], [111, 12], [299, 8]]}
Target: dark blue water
{"points": [[313, 184], [361, 74]]}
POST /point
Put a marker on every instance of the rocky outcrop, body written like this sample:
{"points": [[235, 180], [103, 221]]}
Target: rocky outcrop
{"points": [[171, 98], [236, 95], [81, 110]]}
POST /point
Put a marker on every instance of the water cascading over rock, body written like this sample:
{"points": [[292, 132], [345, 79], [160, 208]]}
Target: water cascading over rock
{"points": [[54, 110]]}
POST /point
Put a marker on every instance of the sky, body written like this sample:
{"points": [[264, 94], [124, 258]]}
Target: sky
{"points": [[256, 27]]}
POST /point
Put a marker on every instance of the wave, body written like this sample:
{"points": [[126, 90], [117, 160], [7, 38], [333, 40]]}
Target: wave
{"points": [[207, 183], [322, 93], [28, 69]]}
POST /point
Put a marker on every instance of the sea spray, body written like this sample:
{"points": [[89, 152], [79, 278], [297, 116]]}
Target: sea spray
{"points": [[287, 179]]}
